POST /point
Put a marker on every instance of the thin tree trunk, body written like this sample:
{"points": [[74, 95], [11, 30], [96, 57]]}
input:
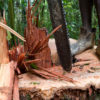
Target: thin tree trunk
{"points": [[61, 36], [11, 17]]}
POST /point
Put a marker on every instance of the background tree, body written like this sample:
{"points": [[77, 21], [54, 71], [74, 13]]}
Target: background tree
{"points": [[18, 10]]}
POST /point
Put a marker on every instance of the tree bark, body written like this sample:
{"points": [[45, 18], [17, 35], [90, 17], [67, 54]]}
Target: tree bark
{"points": [[61, 36], [11, 18]]}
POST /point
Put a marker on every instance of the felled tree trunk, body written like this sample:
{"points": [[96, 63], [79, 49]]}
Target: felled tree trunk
{"points": [[61, 35]]}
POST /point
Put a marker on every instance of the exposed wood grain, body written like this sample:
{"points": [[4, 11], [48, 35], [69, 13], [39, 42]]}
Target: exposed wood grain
{"points": [[6, 80], [12, 31], [16, 89], [4, 58]]}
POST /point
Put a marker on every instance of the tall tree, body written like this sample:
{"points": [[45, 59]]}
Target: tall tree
{"points": [[11, 16]]}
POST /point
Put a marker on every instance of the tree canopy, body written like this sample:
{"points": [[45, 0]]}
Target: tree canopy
{"points": [[16, 15]]}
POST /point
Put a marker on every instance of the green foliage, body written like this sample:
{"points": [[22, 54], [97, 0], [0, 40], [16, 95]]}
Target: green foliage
{"points": [[72, 17], [28, 97], [95, 23], [11, 17], [44, 16], [3, 5], [16, 15], [11, 13], [33, 66], [9, 37], [35, 83]]}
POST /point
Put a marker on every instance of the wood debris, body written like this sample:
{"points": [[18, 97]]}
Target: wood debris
{"points": [[36, 48]]}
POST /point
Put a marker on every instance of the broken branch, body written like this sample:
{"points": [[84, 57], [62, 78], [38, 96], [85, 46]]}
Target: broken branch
{"points": [[12, 31]]}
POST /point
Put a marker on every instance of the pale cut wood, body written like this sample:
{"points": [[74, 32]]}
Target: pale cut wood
{"points": [[4, 58], [12, 31], [16, 89], [7, 80], [54, 54]]}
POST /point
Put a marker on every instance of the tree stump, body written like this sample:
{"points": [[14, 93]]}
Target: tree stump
{"points": [[7, 69]]}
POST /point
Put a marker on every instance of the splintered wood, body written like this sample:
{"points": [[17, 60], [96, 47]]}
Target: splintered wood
{"points": [[33, 46], [34, 42], [37, 50]]}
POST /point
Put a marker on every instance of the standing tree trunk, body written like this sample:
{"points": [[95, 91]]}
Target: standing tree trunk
{"points": [[11, 18], [61, 36]]}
